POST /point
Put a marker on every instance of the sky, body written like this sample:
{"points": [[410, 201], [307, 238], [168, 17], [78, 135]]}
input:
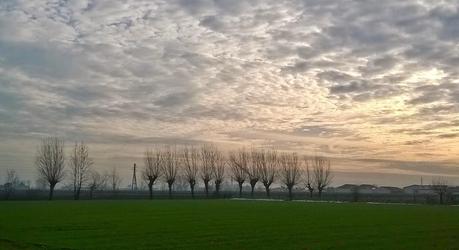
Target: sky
{"points": [[373, 85]]}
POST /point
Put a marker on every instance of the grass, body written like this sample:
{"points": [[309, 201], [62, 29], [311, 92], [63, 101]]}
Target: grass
{"points": [[225, 224]]}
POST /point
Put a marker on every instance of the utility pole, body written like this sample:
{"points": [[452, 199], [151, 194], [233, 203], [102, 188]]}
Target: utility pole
{"points": [[134, 180]]}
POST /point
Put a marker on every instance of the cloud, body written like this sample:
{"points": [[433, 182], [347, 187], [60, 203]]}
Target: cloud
{"points": [[363, 79]]}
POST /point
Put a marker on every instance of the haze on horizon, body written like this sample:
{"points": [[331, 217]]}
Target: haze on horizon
{"points": [[371, 84]]}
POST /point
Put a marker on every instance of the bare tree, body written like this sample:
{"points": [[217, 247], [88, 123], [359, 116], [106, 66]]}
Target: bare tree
{"points": [[153, 161], [267, 162], [80, 164], [114, 179], [238, 162], [309, 177], [253, 171], [219, 173], [440, 187], [290, 171], [50, 162], [322, 173], [208, 161], [96, 182], [191, 166], [171, 166], [12, 180]]}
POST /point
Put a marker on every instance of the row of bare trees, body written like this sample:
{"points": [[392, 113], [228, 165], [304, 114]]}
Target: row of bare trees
{"points": [[205, 164], [50, 162]]}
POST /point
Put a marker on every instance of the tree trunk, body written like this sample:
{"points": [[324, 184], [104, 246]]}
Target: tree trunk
{"points": [[51, 190], [441, 198], [150, 189], [91, 191], [290, 195], [267, 191], [170, 190], [310, 193], [253, 183], [192, 190], [240, 189], [217, 189], [77, 194], [206, 185], [320, 193]]}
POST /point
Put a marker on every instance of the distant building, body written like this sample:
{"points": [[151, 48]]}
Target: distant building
{"points": [[346, 188], [418, 189], [388, 190], [350, 188]]}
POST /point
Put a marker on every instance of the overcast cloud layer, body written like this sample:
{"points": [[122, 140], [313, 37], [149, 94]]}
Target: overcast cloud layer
{"points": [[373, 84]]}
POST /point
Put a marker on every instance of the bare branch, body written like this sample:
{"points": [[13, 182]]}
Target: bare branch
{"points": [[440, 187], [50, 161], [322, 173], [268, 163], [170, 166], [253, 171], [290, 171], [153, 161], [238, 162], [114, 179], [219, 173], [80, 164], [208, 162], [191, 166], [96, 182]]}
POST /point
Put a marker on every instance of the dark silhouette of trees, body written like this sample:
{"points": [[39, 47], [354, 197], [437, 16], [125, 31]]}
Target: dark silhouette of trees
{"points": [[171, 166], [219, 171], [268, 164], [50, 162], [96, 182], [208, 161], [80, 164], [322, 173], [290, 171], [114, 179], [440, 187], [153, 160], [238, 163], [12, 180], [253, 171], [191, 166]]}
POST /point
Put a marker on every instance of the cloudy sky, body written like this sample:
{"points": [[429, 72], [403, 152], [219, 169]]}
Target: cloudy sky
{"points": [[374, 85]]}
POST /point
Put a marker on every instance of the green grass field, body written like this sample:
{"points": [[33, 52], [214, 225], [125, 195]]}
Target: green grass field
{"points": [[225, 224]]}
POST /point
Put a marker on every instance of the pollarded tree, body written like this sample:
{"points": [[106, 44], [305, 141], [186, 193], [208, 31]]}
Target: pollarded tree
{"points": [[153, 161], [309, 177], [191, 166], [440, 187], [12, 180], [170, 167], [322, 173], [219, 172], [50, 162], [114, 179], [96, 182], [208, 161], [267, 162], [80, 164], [238, 163], [253, 171], [290, 171]]}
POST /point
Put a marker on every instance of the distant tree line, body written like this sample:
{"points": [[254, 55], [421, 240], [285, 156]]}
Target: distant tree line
{"points": [[204, 164]]}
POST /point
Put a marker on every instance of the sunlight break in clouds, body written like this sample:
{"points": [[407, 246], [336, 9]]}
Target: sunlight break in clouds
{"points": [[372, 84]]}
